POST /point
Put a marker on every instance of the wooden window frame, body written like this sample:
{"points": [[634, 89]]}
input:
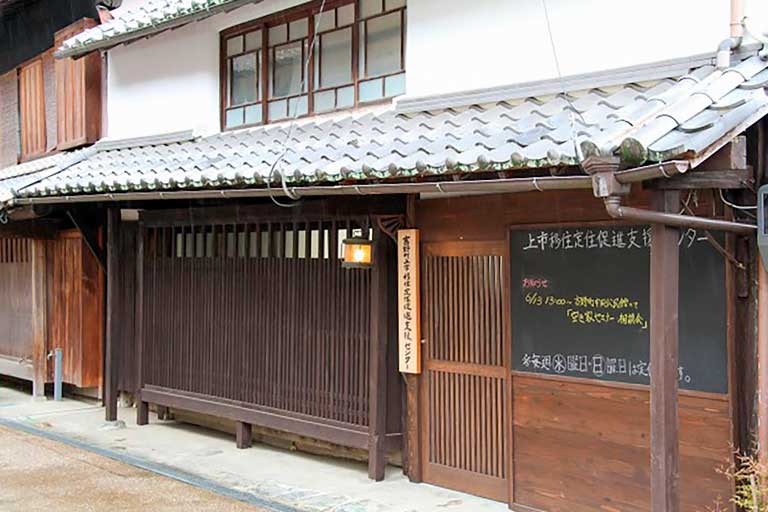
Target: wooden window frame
{"points": [[264, 61]]}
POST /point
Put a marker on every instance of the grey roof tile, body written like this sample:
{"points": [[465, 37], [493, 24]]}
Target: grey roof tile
{"points": [[665, 119]]}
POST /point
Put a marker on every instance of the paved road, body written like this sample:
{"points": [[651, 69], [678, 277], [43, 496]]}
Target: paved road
{"points": [[40, 474]]}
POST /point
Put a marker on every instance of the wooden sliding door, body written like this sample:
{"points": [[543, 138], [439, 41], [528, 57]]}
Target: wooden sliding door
{"points": [[465, 375]]}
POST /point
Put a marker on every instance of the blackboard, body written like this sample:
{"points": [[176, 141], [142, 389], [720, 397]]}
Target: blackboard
{"points": [[580, 305]]}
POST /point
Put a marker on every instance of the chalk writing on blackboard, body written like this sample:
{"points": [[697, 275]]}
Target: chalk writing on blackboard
{"points": [[595, 365], [602, 238], [590, 310]]}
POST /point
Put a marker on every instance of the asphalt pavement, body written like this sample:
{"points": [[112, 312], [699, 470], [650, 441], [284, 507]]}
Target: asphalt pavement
{"points": [[39, 474]]}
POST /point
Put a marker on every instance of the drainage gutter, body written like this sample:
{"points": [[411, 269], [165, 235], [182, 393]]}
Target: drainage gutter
{"points": [[540, 184], [617, 211]]}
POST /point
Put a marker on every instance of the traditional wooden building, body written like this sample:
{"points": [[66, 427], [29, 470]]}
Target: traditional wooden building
{"points": [[546, 295], [52, 281]]}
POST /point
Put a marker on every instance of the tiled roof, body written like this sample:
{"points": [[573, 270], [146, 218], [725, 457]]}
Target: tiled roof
{"points": [[148, 18], [642, 122]]}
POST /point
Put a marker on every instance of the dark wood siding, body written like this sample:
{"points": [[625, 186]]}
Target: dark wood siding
{"points": [[78, 93], [75, 309], [32, 109], [576, 445], [260, 314]]}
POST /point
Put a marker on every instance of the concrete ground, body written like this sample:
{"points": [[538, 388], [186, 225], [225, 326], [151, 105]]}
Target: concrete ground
{"points": [[270, 478], [41, 474]]}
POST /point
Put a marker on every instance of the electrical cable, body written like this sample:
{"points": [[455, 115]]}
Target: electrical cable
{"points": [[576, 149], [735, 206], [273, 170]]}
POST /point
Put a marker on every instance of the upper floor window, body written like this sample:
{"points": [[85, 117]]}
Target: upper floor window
{"points": [[270, 73]]}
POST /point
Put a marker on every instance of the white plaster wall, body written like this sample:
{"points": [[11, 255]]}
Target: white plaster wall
{"points": [[171, 82], [455, 45]]}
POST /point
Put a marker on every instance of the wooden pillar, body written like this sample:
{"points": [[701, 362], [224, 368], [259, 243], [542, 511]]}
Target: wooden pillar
{"points": [[377, 421], [114, 288], [243, 435], [664, 376], [142, 407], [411, 423], [762, 361], [39, 319]]}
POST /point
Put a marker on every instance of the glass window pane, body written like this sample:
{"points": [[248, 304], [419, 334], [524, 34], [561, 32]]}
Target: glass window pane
{"points": [[371, 90], [370, 7], [278, 34], [234, 117], [278, 110], [383, 44], [345, 97], [253, 114], [393, 4], [336, 58], [298, 106], [253, 40], [325, 101], [299, 28], [287, 70], [394, 85], [244, 79], [325, 21], [235, 45], [346, 14]]}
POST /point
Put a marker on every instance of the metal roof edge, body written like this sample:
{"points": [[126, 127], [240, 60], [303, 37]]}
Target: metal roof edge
{"points": [[151, 30], [147, 140], [603, 78]]}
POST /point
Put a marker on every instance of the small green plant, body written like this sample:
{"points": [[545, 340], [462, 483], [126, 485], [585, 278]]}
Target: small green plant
{"points": [[750, 480]]}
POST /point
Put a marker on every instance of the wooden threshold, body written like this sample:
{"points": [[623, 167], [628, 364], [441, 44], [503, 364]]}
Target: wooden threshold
{"points": [[13, 367], [304, 427]]}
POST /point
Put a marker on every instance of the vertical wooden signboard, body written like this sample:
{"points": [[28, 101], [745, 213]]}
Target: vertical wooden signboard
{"points": [[409, 300]]}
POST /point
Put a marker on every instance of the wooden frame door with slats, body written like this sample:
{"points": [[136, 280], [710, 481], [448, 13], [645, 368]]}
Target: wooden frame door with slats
{"points": [[465, 379]]}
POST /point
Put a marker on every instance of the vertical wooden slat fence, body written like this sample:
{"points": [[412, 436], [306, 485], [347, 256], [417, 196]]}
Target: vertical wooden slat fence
{"points": [[16, 298], [257, 321]]}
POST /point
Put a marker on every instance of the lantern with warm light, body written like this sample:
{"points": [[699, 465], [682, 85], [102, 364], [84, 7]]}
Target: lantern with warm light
{"points": [[358, 253]]}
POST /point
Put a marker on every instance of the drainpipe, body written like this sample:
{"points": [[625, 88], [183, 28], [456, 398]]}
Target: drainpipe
{"points": [[762, 362], [737, 35], [617, 211], [608, 186]]}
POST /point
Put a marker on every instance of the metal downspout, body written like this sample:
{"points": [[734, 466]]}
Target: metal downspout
{"points": [[617, 211]]}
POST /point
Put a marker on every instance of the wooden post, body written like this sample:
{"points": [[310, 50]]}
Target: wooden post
{"points": [[411, 423], [762, 361], [39, 319], [243, 435], [664, 359], [111, 352], [377, 424], [142, 407]]}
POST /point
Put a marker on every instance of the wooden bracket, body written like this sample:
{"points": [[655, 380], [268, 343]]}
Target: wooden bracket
{"points": [[389, 224], [91, 237], [730, 179]]}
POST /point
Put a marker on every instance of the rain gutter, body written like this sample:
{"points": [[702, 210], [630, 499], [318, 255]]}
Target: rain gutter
{"points": [[609, 185], [617, 211], [540, 184]]}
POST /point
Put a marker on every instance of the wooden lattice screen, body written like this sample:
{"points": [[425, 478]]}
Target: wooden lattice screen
{"points": [[259, 315], [465, 386], [16, 298]]}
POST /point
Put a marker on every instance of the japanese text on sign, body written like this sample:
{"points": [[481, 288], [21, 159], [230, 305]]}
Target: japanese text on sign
{"points": [[595, 365], [409, 313]]}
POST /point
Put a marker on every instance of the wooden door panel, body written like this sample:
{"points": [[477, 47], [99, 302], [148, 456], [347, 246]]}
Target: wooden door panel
{"points": [[464, 384]]}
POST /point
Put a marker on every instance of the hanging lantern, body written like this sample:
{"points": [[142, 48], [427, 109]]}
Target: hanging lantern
{"points": [[358, 253]]}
